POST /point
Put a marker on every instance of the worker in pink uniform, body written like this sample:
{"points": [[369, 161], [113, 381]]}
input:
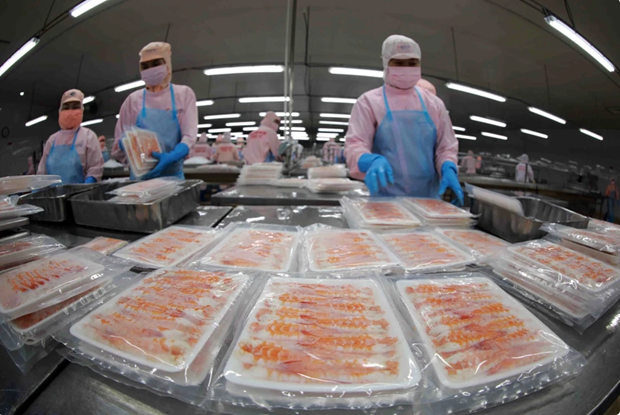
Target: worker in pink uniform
{"points": [[73, 153], [523, 171], [263, 143], [104, 149], [240, 147], [424, 84], [201, 148], [400, 138], [331, 151], [226, 151], [168, 110], [469, 162]]}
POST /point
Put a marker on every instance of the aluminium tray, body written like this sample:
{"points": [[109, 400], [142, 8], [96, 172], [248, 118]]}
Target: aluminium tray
{"points": [[55, 201]]}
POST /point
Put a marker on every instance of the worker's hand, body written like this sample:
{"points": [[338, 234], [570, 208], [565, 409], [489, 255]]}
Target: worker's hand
{"points": [[90, 179], [166, 160], [450, 178], [378, 172]]}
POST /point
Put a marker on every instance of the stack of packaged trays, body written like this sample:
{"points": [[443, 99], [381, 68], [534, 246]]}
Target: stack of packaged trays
{"points": [[328, 172], [259, 174], [28, 249], [147, 191], [139, 145], [10, 209], [333, 185], [42, 296], [480, 244], [436, 212], [378, 214], [21, 184], [604, 246], [570, 286]]}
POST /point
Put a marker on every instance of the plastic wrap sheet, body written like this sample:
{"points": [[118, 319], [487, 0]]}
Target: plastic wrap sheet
{"points": [[104, 245], [318, 343], [10, 209], [327, 172], [511, 204], [54, 279], [164, 332], [26, 250], [289, 182], [333, 185], [139, 144], [480, 244], [27, 357], [39, 326], [21, 184], [479, 346], [254, 246], [168, 247], [327, 249], [602, 226], [426, 251], [600, 241], [378, 214]]}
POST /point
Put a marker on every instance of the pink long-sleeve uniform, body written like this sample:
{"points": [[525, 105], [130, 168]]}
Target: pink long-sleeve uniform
{"points": [[369, 111], [86, 145], [185, 100], [226, 152], [469, 162], [260, 142]]}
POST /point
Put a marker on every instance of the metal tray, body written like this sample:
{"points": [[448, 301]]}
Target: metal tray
{"points": [[92, 209], [515, 228], [55, 201], [13, 223]]}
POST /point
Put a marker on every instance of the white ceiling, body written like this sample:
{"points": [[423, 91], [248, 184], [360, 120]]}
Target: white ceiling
{"points": [[501, 45]]}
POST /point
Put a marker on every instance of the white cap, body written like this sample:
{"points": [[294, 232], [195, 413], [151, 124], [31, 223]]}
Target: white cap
{"points": [[399, 47]]}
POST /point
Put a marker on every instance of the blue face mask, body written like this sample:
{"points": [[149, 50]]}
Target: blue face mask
{"points": [[154, 76]]}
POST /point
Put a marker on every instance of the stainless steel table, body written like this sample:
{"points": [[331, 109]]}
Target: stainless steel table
{"points": [[207, 216], [271, 195], [287, 215]]}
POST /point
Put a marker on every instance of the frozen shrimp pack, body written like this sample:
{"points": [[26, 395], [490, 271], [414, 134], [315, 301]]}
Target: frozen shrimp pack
{"points": [[139, 144], [601, 241], [163, 332], [104, 245], [10, 209], [378, 214], [26, 357], [24, 250], [480, 245]]}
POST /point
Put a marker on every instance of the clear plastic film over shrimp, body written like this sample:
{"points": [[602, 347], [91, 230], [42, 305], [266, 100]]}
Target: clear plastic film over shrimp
{"points": [[378, 214], [26, 250], [479, 244]]}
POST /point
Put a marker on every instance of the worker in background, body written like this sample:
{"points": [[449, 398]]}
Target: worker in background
{"points": [[479, 163], [73, 153], [424, 84], [331, 151], [201, 148], [168, 110], [226, 151], [104, 149], [469, 163], [240, 146], [612, 195], [30, 171], [524, 172], [400, 138], [263, 143]]}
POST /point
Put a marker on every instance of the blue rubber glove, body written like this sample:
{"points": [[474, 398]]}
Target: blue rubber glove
{"points": [[378, 172], [450, 178], [120, 145], [166, 160], [90, 179]]}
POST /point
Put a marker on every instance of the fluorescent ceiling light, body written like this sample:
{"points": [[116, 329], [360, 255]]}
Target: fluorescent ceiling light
{"points": [[292, 121], [328, 135], [27, 47], [85, 6], [339, 100], [499, 137], [245, 69], [356, 72], [534, 133], [221, 116], [131, 85], [205, 125], [88, 100], [205, 103], [458, 128], [219, 130], [333, 122], [322, 139], [240, 123], [91, 122], [250, 100], [280, 114], [546, 115], [466, 137], [487, 121], [332, 130], [591, 134], [335, 116], [293, 128], [36, 120], [561, 27], [118, 116], [475, 91], [301, 138], [250, 129], [211, 136], [342, 140]]}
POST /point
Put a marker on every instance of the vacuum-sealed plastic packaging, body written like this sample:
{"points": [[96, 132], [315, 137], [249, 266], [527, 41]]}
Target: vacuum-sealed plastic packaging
{"points": [[423, 251], [436, 212], [327, 249], [317, 344], [603, 226], [333, 185], [10, 209], [168, 247], [600, 241], [51, 280], [480, 244], [289, 182], [479, 346], [139, 144], [22, 184], [260, 174], [328, 172], [148, 188], [163, 332], [254, 246], [27, 249], [26, 357], [378, 214], [105, 246]]}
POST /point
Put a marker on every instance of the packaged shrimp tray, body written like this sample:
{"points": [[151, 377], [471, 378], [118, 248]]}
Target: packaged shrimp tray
{"points": [[139, 145], [378, 214], [480, 244], [104, 245]]}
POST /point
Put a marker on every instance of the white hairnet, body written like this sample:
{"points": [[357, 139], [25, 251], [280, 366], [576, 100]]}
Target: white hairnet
{"points": [[524, 158], [399, 47]]}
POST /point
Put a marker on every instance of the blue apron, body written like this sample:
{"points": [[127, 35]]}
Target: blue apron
{"points": [[106, 155], [167, 128], [407, 139], [64, 161]]}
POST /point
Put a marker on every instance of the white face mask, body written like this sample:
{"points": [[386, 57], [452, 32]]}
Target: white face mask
{"points": [[154, 76], [403, 77]]}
